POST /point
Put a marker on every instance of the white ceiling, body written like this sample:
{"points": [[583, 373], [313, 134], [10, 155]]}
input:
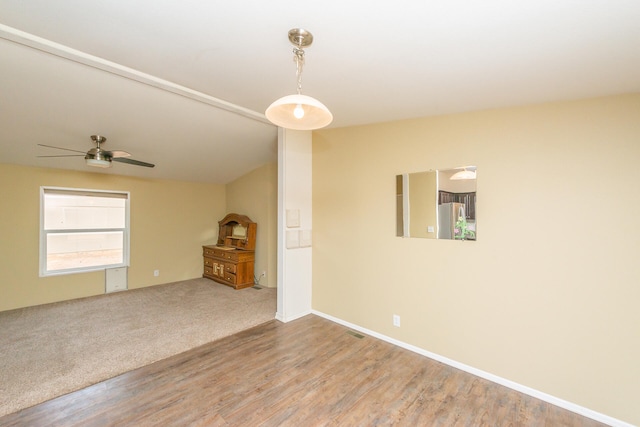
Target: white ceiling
{"points": [[73, 68]]}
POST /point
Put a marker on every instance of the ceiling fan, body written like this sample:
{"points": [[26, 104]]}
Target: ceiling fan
{"points": [[100, 157]]}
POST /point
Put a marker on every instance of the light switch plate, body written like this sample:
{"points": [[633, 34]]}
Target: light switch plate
{"points": [[293, 218], [305, 238], [293, 239]]}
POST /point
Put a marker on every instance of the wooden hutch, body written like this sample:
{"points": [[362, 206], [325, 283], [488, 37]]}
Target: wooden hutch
{"points": [[231, 261]]}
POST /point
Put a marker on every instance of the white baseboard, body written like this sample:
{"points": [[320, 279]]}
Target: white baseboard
{"points": [[486, 375], [285, 319]]}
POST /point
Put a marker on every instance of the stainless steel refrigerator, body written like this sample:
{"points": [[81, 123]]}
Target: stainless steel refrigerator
{"points": [[448, 214]]}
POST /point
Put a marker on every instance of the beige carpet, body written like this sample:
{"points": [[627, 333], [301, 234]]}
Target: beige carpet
{"points": [[50, 350]]}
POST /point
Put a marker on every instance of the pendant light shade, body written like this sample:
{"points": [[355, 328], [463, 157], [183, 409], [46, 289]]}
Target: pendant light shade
{"points": [[299, 111], [464, 174]]}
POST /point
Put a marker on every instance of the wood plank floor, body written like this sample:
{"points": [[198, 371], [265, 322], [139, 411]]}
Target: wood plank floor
{"points": [[309, 372]]}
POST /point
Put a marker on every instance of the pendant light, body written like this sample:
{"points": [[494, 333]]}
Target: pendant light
{"points": [[464, 174], [299, 111]]}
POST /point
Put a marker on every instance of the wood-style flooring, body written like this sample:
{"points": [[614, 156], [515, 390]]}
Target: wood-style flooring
{"points": [[309, 372]]}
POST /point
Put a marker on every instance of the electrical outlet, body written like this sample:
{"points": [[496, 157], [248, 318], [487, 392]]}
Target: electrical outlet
{"points": [[156, 273], [396, 320]]}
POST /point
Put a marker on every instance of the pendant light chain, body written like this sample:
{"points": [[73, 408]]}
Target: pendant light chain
{"points": [[298, 57]]}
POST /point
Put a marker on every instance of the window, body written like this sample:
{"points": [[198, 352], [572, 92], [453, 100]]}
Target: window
{"points": [[82, 230]]}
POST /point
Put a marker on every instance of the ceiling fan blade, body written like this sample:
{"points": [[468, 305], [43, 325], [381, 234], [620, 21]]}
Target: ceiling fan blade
{"points": [[60, 148], [66, 155], [132, 162], [118, 153]]}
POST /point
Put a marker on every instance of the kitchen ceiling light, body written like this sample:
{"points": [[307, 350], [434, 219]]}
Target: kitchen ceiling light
{"points": [[299, 111]]}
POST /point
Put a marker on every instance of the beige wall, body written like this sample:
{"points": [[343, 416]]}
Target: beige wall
{"points": [[256, 195], [170, 221], [548, 296]]}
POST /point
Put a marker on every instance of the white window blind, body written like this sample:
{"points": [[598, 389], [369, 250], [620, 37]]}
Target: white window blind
{"points": [[83, 230]]}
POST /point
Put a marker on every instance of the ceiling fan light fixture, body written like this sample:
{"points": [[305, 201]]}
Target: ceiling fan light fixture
{"points": [[98, 163], [97, 157], [299, 112]]}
